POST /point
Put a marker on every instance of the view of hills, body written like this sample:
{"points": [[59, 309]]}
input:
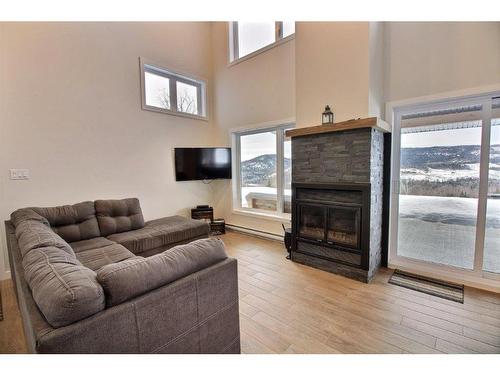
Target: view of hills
{"points": [[445, 157], [449, 171], [434, 171], [261, 171]]}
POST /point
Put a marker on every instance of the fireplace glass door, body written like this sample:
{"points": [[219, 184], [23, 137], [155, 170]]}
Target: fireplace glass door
{"points": [[344, 226], [312, 222]]}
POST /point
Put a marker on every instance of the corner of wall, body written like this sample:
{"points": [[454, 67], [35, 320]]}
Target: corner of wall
{"points": [[376, 61]]}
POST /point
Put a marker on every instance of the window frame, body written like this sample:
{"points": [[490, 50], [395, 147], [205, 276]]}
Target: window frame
{"points": [[280, 129], [234, 57], [477, 276], [147, 66]]}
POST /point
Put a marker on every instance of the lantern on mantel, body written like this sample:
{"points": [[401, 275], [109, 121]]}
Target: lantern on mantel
{"points": [[328, 117]]}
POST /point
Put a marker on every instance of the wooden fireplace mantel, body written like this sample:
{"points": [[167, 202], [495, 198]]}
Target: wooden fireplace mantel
{"points": [[369, 122]]}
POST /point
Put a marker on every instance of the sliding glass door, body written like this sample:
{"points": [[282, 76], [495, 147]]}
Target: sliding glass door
{"points": [[445, 202]]}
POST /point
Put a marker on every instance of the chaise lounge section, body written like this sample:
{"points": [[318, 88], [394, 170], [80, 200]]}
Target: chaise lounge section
{"points": [[95, 278]]}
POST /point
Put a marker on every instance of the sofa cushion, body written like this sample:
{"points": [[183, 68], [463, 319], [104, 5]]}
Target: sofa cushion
{"points": [[25, 214], [102, 256], [32, 234], [73, 223], [116, 216], [64, 290], [93, 243], [135, 276], [161, 232]]}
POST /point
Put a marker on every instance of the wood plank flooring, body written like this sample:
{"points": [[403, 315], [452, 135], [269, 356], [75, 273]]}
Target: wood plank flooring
{"points": [[286, 307], [11, 327]]}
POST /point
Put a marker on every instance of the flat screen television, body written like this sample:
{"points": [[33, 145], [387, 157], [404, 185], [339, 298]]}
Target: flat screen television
{"points": [[206, 163]]}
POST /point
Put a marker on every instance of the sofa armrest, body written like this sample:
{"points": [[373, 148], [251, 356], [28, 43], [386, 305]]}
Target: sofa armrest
{"points": [[135, 276]]}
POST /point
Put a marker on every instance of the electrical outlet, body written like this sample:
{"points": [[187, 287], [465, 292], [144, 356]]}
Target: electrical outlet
{"points": [[19, 174]]}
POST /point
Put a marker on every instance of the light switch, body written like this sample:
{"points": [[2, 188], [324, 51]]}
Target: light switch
{"points": [[19, 174]]}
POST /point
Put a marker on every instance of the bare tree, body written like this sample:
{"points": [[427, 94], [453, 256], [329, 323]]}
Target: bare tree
{"points": [[185, 103], [164, 97]]}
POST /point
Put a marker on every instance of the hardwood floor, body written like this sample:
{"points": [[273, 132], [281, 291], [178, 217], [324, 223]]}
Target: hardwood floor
{"points": [[286, 307], [289, 308], [11, 328]]}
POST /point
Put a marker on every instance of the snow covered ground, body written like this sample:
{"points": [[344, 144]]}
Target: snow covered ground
{"points": [[434, 174], [442, 230], [447, 210], [261, 192]]}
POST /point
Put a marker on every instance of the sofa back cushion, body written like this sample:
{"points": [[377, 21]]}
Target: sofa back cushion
{"points": [[121, 215], [33, 234], [25, 214], [135, 276], [72, 222], [63, 289]]}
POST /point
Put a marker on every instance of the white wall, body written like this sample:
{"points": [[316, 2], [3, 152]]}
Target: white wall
{"points": [[255, 91], [427, 58], [332, 67], [70, 112], [376, 71]]}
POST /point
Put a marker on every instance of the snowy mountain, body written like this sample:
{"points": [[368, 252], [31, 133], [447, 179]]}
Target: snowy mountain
{"points": [[261, 170], [451, 171], [445, 157]]}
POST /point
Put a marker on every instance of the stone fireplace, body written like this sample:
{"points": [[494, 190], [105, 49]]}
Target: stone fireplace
{"points": [[337, 177]]}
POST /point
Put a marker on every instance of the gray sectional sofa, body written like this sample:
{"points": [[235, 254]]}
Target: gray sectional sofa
{"points": [[95, 278]]}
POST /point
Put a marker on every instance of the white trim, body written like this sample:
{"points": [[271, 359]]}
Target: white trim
{"points": [[280, 166], [236, 180], [262, 125], [233, 50], [261, 50], [235, 173], [254, 232], [189, 77], [394, 187], [173, 113], [484, 168], [284, 218], [236, 207]]}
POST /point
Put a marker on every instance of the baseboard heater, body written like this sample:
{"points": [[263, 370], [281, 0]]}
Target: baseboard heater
{"points": [[254, 232]]}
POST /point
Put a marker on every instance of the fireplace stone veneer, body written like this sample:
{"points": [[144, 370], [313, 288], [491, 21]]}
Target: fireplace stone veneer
{"points": [[337, 189]]}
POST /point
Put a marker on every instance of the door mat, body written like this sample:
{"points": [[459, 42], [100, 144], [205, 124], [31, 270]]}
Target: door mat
{"points": [[434, 287]]}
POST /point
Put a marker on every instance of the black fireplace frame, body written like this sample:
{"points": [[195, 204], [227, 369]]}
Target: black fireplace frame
{"points": [[364, 246]]}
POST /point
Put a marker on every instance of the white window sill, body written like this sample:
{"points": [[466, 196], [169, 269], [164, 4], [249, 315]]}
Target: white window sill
{"points": [[174, 113], [262, 50], [283, 218]]}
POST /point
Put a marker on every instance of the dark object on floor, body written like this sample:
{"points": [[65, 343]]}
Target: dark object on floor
{"points": [[203, 213], [218, 227], [434, 287], [1, 310], [288, 240]]}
